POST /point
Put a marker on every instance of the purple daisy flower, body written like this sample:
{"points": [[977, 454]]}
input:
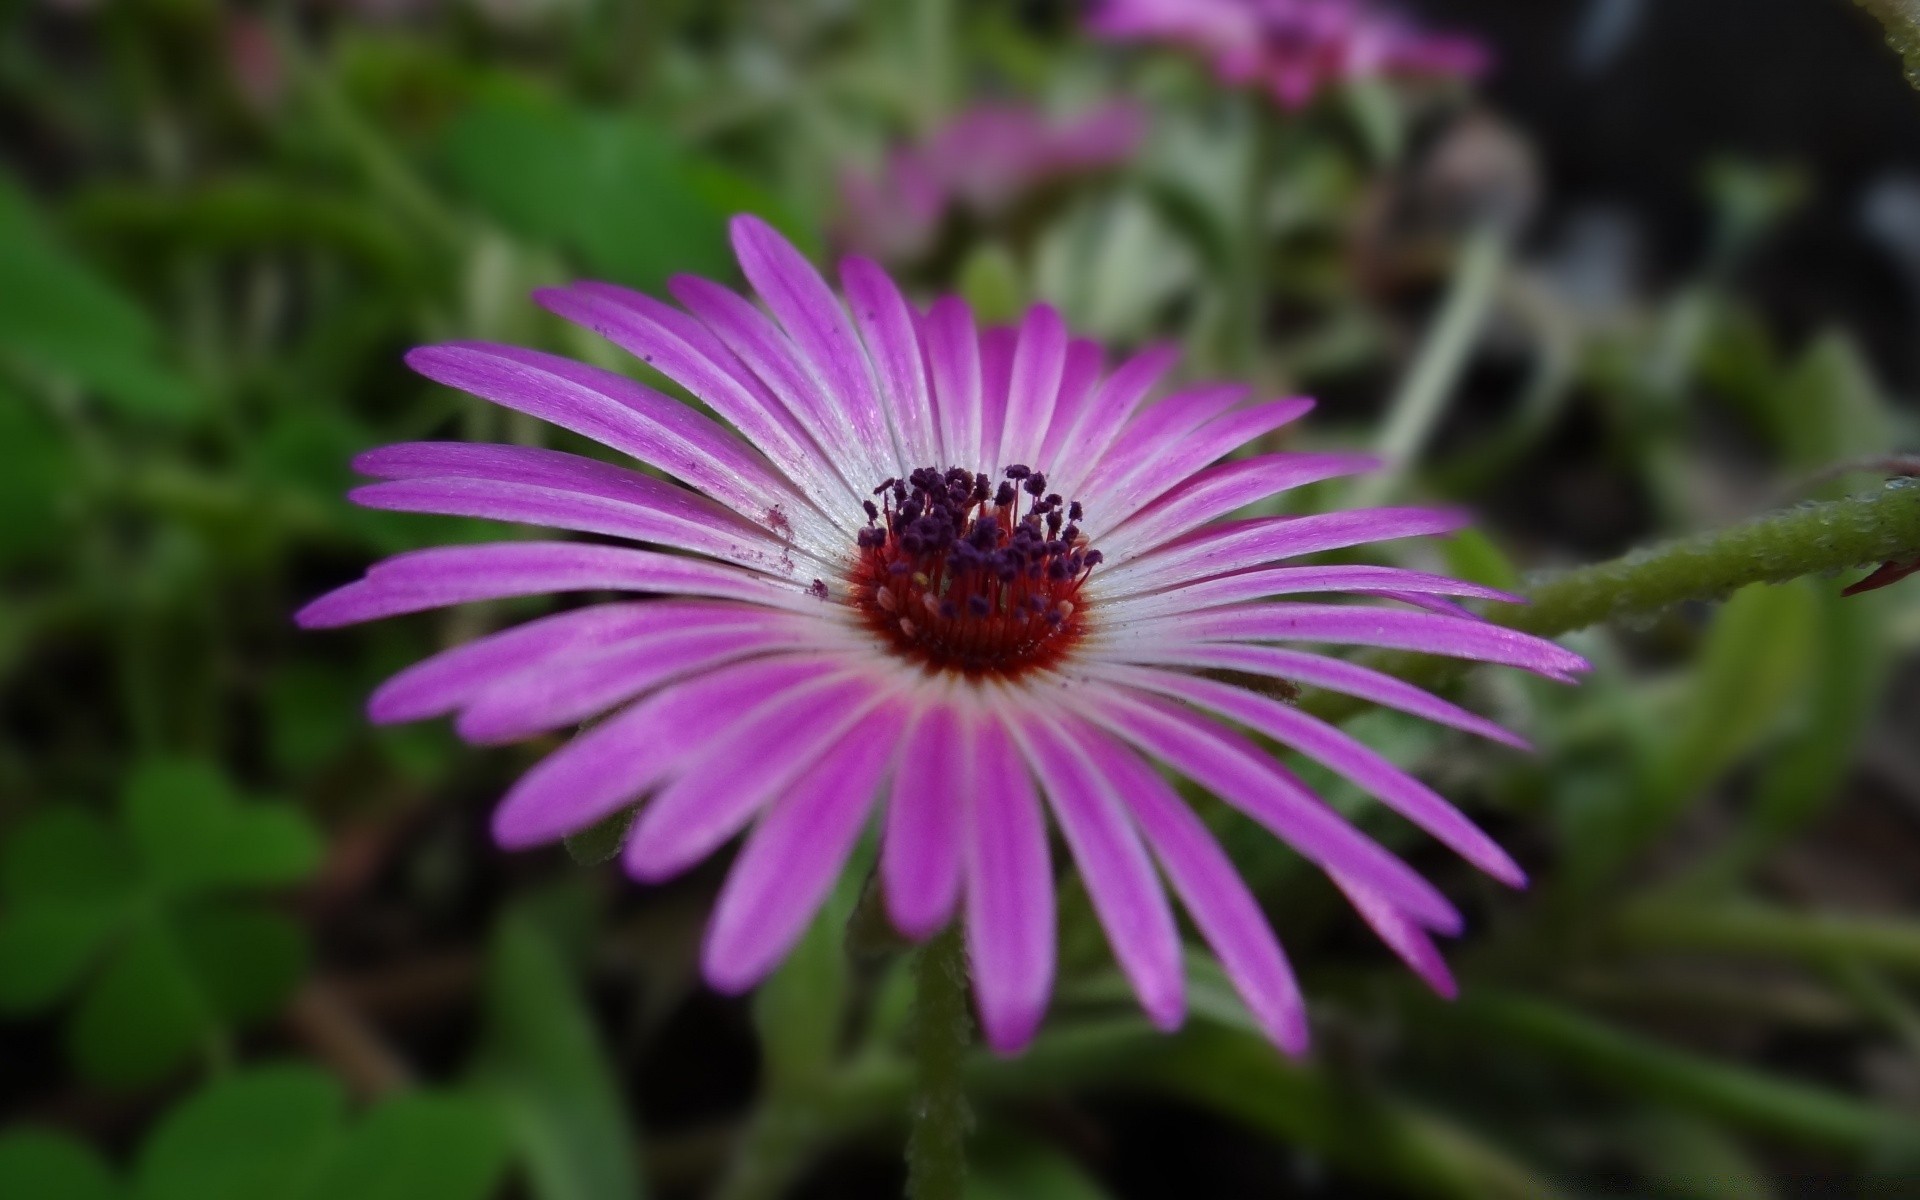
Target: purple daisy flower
{"points": [[984, 162], [961, 577], [1293, 48]]}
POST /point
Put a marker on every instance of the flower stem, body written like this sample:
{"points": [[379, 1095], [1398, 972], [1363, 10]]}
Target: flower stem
{"points": [[1812, 539], [936, 1146]]}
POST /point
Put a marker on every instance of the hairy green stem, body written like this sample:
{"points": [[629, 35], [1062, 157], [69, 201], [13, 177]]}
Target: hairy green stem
{"points": [[937, 1143], [1812, 539]]}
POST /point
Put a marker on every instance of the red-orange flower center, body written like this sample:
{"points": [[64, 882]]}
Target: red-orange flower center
{"points": [[954, 574]]}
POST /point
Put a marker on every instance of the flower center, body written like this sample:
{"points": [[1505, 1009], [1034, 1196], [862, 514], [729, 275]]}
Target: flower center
{"points": [[951, 572]]}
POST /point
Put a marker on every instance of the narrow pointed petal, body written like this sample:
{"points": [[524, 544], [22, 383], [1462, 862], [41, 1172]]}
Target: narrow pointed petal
{"points": [[1112, 405], [1209, 885], [1240, 545], [1402, 935], [886, 322], [1241, 774], [1181, 458], [1214, 493], [997, 346], [794, 854], [1126, 894], [580, 686], [609, 766], [1353, 625], [1039, 361], [617, 412], [1159, 425], [1079, 383], [1334, 674], [1340, 754], [952, 347], [1222, 590], [448, 575], [1009, 895], [823, 340], [726, 385], [436, 686], [741, 767], [920, 856]]}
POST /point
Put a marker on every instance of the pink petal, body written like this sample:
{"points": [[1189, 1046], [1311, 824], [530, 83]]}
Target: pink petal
{"points": [[1038, 365], [742, 765], [793, 856], [997, 346], [609, 766], [577, 686], [1009, 894], [1258, 584], [920, 853], [616, 412], [1212, 493], [447, 575], [1209, 885], [952, 348], [823, 340], [639, 509], [441, 684], [1079, 378], [1239, 545], [886, 321], [769, 352], [1126, 894], [1402, 935], [1334, 674], [1085, 443], [1340, 754], [1352, 625], [707, 368], [1241, 774], [1180, 459]]}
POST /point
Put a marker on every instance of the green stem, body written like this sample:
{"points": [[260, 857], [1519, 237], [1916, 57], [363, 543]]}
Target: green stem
{"points": [[1755, 1100], [1686, 925], [1248, 291], [1422, 399], [936, 1146], [1812, 539]]}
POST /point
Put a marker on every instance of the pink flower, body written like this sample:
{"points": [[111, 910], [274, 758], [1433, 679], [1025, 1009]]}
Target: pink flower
{"points": [[984, 162], [962, 577], [1293, 48]]}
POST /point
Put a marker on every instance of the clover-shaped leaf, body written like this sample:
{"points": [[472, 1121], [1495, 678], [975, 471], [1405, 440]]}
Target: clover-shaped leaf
{"points": [[142, 920]]}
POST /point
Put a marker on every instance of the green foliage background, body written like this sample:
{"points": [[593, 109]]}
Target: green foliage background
{"points": [[251, 947]]}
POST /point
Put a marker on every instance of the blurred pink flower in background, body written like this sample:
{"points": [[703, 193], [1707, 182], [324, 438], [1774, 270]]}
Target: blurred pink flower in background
{"points": [[984, 163], [1294, 48]]}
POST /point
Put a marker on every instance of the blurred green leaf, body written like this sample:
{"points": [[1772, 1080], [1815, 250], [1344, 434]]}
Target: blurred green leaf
{"points": [[1357, 1129], [1757, 656], [1829, 407], [57, 314], [263, 1135], [1009, 1167], [614, 190], [540, 1059], [64, 852], [447, 1147], [195, 834], [142, 1016], [46, 946], [44, 1164], [246, 961], [38, 475], [990, 283]]}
